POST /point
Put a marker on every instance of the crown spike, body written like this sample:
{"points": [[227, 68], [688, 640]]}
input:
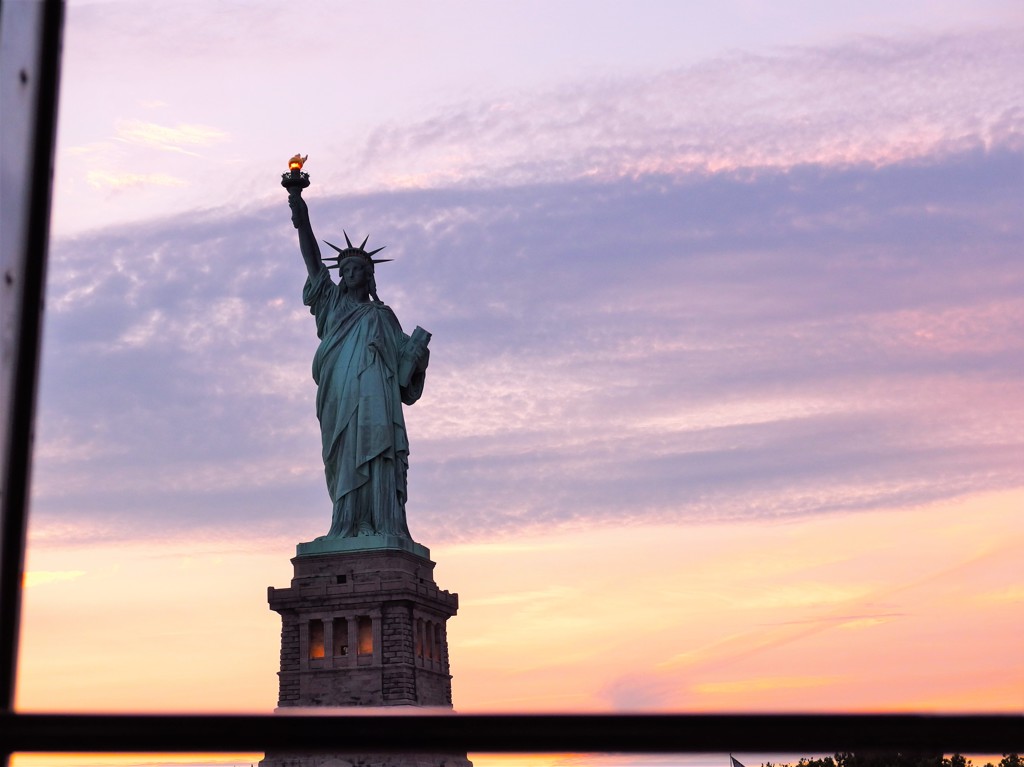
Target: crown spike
{"points": [[353, 252]]}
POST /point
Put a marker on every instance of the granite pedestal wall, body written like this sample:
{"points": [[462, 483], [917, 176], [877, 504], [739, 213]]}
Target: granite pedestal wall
{"points": [[364, 628]]}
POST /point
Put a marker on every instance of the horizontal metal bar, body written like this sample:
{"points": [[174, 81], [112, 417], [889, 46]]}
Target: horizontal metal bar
{"points": [[516, 733]]}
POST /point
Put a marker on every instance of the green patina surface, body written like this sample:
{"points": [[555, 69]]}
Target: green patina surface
{"points": [[328, 545], [365, 368]]}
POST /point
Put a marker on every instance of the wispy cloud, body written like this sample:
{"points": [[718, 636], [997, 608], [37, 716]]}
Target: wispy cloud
{"points": [[872, 100], [717, 347], [102, 179], [178, 138], [42, 577], [763, 684]]}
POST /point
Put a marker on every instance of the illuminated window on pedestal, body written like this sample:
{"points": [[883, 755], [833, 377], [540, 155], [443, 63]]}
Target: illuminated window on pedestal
{"points": [[365, 636], [316, 639]]}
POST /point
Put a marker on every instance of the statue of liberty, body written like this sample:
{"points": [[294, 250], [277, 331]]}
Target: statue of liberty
{"points": [[365, 368]]}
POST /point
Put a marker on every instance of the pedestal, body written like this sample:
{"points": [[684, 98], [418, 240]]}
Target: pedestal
{"points": [[363, 627]]}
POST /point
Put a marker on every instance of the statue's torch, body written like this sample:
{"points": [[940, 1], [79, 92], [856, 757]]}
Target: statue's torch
{"points": [[294, 180]]}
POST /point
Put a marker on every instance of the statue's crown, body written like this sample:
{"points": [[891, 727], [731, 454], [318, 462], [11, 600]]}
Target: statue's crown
{"points": [[352, 251]]}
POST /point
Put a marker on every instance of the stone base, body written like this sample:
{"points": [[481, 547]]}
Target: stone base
{"points": [[363, 628], [327, 545]]}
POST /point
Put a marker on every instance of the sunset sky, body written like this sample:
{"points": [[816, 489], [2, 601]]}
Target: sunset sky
{"points": [[725, 407]]}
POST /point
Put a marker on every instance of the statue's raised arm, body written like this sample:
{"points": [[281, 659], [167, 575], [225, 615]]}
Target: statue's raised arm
{"points": [[365, 368], [295, 181]]}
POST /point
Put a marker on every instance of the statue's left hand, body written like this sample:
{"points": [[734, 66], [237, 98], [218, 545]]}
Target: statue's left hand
{"points": [[422, 358]]}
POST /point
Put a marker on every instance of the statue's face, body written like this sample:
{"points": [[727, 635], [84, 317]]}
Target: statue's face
{"points": [[354, 272]]}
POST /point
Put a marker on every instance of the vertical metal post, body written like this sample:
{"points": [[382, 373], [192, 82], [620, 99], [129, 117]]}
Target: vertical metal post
{"points": [[30, 40]]}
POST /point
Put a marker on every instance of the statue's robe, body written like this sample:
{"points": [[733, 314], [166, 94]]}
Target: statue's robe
{"points": [[359, 404]]}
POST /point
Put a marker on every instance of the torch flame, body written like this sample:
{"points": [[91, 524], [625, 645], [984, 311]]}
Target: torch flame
{"points": [[297, 162]]}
